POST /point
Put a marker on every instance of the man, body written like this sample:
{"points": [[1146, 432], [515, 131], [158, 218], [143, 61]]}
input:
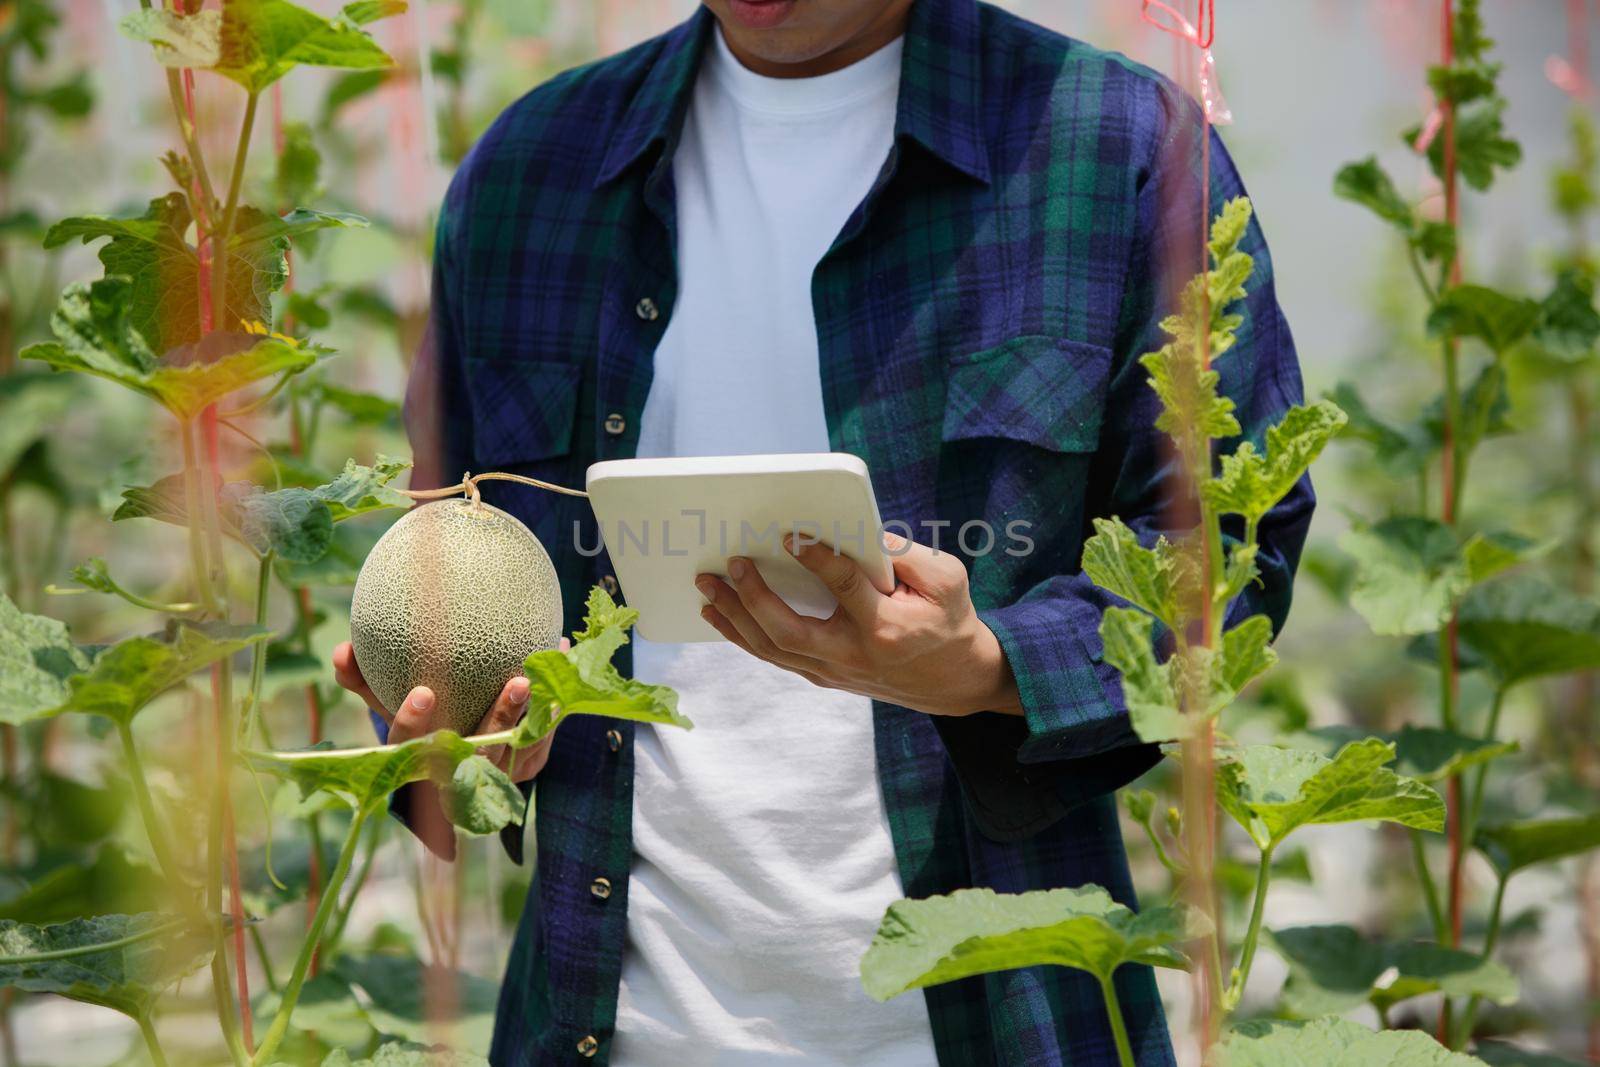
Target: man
{"points": [[935, 236]]}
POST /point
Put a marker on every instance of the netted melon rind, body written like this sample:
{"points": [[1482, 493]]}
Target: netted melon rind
{"points": [[454, 597]]}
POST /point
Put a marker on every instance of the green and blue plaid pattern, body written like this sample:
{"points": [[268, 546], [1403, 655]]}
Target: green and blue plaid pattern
{"points": [[979, 321]]}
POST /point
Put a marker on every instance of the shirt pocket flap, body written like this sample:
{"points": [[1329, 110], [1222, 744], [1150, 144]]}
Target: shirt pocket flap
{"points": [[1043, 390], [522, 410]]}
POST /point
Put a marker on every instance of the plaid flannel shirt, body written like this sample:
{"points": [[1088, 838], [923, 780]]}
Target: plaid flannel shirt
{"points": [[979, 321]]}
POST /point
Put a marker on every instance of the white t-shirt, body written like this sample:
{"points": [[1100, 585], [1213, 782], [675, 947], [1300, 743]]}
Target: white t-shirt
{"points": [[762, 858]]}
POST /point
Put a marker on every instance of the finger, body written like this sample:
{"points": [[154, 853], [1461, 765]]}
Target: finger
{"points": [[721, 624], [564, 645], [842, 575], [786, 628], [753, 638], [348, 675], [932, 573], [508, 709], [531, 760], [415, 716]]}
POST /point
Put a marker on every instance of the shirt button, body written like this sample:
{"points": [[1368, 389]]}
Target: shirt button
{"points": [[614, 740], [588, 1046], [601, 888], [646, 309], [615, 424], [608, 582]]}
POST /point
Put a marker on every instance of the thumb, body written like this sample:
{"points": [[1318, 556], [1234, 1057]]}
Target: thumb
{"points": [[933, 573]]}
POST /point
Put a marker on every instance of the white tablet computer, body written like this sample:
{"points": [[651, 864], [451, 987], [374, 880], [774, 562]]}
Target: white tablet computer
{"points": [[664, 521]]}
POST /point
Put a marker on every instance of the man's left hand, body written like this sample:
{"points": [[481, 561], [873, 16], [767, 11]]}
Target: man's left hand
{"points": [[921, 646]]}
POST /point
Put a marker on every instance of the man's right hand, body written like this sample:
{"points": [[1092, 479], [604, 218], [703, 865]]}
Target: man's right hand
{"points": [[416, 714]]}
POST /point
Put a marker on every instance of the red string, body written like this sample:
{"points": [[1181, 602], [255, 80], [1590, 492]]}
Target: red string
{"points": [[1169, 19]]}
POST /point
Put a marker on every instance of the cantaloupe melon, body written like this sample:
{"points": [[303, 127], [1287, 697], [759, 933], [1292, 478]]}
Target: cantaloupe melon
{"points": [[454, 597]]}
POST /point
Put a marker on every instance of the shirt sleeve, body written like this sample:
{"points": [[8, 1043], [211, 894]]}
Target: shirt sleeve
{"points": [[1073, 701]]}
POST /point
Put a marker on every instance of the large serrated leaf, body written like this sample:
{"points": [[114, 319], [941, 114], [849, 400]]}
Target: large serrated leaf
{"points": [[1331, 1043], [1497, 319], [398, 989], [977, 931], [1250, 483], [31, 406], [1272, 792], [1147, 578], [36, 659], [1333, 969], [583, 681], [128, 675], [1147, 688], [97, 335], [1368, 184], [262, 40], [127, 977], [1426, 753]]}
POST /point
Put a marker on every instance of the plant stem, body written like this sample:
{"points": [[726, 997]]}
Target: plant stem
{"points": [[1119, 1029], [1481, 774], [147, 807], [1491, 938], [308, 947], [1247, 952], [1430, 891], [89, 950], [258, 659], [266, 960], [193, 508], [151, 1042], [224, 231], [330, 944]]}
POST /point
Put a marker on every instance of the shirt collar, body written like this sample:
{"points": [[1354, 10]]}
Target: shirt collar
{"points": [[940, 90]]}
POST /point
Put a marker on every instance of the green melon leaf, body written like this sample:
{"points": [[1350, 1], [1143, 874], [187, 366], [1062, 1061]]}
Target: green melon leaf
{"points": [[366, 408], [128, 675], [1426, 753], [95, 336], [290, 522], [31, 406], [1246, 653], [1147, 578], [1400, 451], [149, 952], [397, 990], [36, 659], [1502, 1054], [364, 777], [1481, 144], [178, 40], [1368, 184], [359, 489], [153, 253], [1524, 627], [327, 1007], [480, 799], [299, 166], [1569, 324], [262, 40], [1493, 317], [1333, 969], [1492, 552], [1409, 573], [1331, 1043], [583, 681], [108, 882], [1147, 687], [978, 931], [407, 1054], [1511, 846], [1272, 792], [1251, 482]]}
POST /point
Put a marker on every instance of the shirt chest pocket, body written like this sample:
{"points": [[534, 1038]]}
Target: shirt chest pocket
{"points": [[1042, 391], [523, 411]]}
